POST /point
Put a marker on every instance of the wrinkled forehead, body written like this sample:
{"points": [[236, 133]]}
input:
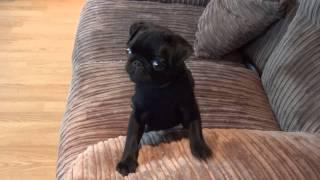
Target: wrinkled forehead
{"points": [[148, 43]]}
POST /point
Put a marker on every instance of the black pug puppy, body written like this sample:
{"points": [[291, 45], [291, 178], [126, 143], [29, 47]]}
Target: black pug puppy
{"points": [[164, 95]]}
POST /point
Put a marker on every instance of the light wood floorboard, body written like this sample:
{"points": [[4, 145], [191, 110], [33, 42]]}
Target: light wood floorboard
{"points": [[36, 41]]}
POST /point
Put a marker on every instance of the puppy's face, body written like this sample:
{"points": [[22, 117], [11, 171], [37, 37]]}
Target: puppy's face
{"points": [[155, 54]]}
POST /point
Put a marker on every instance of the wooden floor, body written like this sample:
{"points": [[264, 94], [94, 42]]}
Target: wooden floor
{"points": [[36, 40]]}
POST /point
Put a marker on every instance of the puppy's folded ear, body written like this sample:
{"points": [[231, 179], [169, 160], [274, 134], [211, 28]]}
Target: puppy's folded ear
{"points": [[181, 49], [137, 27]]}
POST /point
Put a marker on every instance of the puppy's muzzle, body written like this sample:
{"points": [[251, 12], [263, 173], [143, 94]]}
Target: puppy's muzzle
{"points": [[137, 67], [137, 64]]}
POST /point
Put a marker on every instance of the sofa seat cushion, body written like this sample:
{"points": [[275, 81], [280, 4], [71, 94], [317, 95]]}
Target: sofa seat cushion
{"points": [[99, 103], [238, 154]]}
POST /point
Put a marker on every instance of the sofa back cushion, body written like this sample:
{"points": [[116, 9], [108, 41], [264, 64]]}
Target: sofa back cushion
{"points": [[291, 76], [260, 49], [226, 25]]}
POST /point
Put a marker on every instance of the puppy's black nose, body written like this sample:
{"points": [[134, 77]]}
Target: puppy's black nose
{"points": [[137, 64]]}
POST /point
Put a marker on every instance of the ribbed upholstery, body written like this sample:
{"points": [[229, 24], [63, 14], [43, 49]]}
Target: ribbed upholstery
{"points": [[238, 154], [233, 59], [99, 103], [104, 26], [99, 99], [261, 48], [227, 25], [189, 2], [229, 96], [291, 76]]}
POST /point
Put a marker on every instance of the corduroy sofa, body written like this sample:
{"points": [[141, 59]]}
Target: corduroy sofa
{"points": [[262, 124]]}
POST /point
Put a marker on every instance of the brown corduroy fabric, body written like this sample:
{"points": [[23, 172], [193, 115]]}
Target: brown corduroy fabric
{"points": [[99, 99], [238, 154], [291, 77], [229, 96], [260, 49], [99, 103], [104, 26], [226, 25], [189, 2]]}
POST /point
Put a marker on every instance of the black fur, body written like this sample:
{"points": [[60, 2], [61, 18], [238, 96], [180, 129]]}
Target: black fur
{"points": [[163, 98]]}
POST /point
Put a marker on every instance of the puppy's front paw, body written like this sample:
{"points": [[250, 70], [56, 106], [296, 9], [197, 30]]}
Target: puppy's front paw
{"points": [[127, 166], [201, 150]]}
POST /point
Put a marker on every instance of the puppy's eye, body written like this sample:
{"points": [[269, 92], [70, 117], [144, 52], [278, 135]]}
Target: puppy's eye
{"points": [[158, 65], [128, 51]]}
